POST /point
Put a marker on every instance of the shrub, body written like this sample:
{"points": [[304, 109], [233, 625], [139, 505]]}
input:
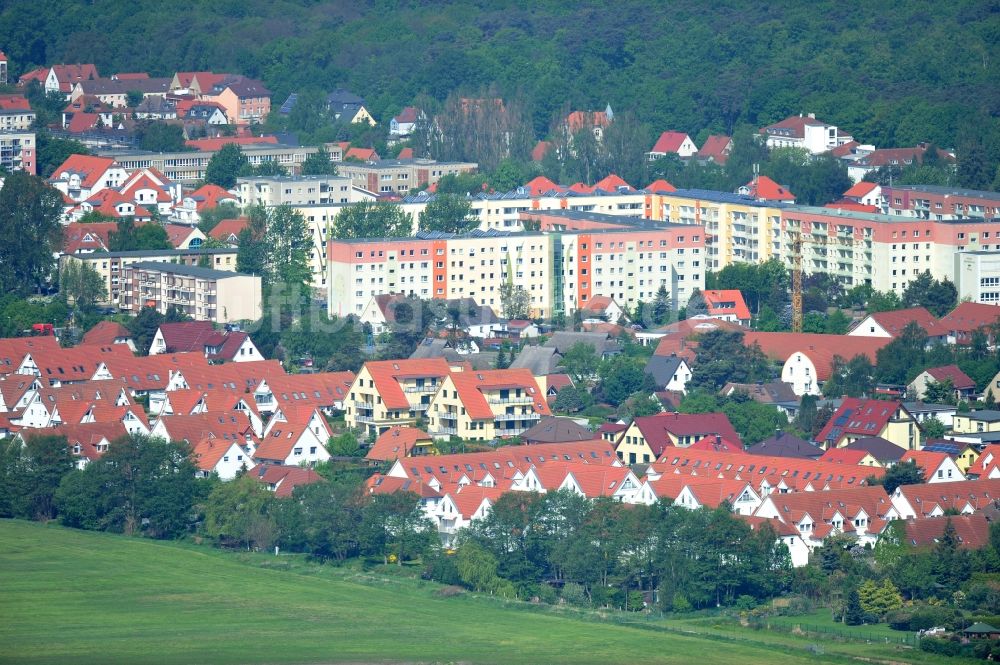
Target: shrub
{"points": [[681, 604], [746, 602], [574, 594]]}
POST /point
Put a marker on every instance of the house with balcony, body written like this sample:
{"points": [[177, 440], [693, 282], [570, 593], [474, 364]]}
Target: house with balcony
{"points": [[393, 392], [204, 294], [486, 405]]}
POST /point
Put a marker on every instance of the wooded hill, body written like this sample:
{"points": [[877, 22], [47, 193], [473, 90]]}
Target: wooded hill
{"points": [[890, 73]]}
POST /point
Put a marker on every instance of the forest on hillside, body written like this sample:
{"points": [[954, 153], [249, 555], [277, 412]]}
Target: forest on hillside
{"points": [[893, 74]]}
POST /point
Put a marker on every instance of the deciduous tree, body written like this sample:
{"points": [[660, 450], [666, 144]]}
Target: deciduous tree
{"points": [[30, 211]]}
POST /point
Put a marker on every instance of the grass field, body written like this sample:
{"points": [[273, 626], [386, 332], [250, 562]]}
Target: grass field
{"points": [[72, 596]]}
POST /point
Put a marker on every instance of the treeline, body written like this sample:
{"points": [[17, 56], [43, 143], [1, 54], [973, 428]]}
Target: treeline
{"points": [[926, 75]]}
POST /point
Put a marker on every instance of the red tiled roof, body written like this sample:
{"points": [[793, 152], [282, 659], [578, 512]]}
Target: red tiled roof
{"points": [[959, 379], [541, 185], [714, 442], [281, 437], [660, 185], [322, 389], [925, 497], [151, 372], [87, 237], [901, 156], [39, 75], [385, 372], [396, 442], [927, 460], [82, 122], [819, 348], [362, 154], [795, 123], [405, 153], [69, 75], [843, 456], [90, 168], [227, 426], [669, 142], [716, 147], [539, 151], [178, 234], [766, 189], [14, 103], [472, 384], [186, 335], [862, 417], [823, 506], [285, 478], [969, 316], [207, 452], [105, 332], [973, 531], [210, 196], [895, 321], [228, 227], [656, 430], [577, 120], [612, 183], [726, 301], [845, 204], [860, 190], [845, 149], [78, 363]]}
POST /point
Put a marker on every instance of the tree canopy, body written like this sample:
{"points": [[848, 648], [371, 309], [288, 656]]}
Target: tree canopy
{"points": [[371, 219], [30, 213]]}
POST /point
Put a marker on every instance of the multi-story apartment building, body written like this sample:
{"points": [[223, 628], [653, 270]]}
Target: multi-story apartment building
{"points": [[295, 190], [572, 258], [399, 176], [189, 167], [111, 266], [737, 227], [486, 405], [17, 151], [203, 294], [393, 392], [15, 113], [940, 203], [977, 276]]}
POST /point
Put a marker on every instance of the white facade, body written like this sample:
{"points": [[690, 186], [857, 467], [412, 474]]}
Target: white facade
{"points": [[977, 276], [800, 373]]}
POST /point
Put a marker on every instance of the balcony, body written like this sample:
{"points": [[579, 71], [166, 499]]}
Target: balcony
{"points": [[503, 417], [364, 405], [420, 407], [421, 389], [523, 399], [364, 419], [444, 431]]}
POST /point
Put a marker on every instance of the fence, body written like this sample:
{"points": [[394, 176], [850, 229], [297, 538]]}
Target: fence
{"points": [[856, 634]]}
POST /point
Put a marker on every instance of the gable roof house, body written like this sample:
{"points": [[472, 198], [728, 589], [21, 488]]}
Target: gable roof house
{"points": [[935, 499], [245, 100], [201, 337], [669, 372], [108, 332], [82, 176], [115, 92], [966, 318], [886, 453], [963, 388], [205, 197], [397, 442], [763, 188], [861, 511], [808, 358], [62, 78], [647, 437], [294, 436], [859, 418], [782, 444], [726, 305], [393, 392], [348, 107], [939, 467], [715, 149], [486, 405], [891, 324], [553, 429], [670, 142], [282, 479], [403, 124]]}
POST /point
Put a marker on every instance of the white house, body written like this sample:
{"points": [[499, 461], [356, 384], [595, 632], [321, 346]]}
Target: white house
{"points": [[294, 437], [220, 456], [805, 132]]}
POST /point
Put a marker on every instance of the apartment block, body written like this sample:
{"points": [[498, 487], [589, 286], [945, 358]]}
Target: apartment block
{"points": [[189, 167], [295, 190], [17, 151], [111, 266], [977, 276], [737, 228], [203, 294], [393, 392], [933, 202], [486, 405], [572, 258], [399, 176], [15, 113]]}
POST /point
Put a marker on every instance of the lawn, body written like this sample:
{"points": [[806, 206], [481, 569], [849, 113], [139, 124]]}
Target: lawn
{"points": [[72, 596], [821, 620]]}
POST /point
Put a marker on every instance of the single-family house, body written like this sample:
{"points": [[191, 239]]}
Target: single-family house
{"points": [[858, 418], [675, 143], [936, 499], [669, 372], [647, 437], [938, 467], [962, 387]]}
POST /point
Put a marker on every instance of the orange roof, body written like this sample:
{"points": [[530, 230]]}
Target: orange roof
{"points": [[468, 498], [39, 75], [766, 189], [363, 154], [823, 506], [87, 237], [726, 301], [396, 442], [967, 317], [177, 234], [79, 363], [14, 349], [322, 389], [151, 372], [577, 120], [207, 452], [895, 321], [973, 531], [988, 458], [925, 497], [14, 103], [716, 443], [284, 479], [660, 185], [471, 386], [229, 426], [541, 185], [927, 460], [538, 152], [277, 444], [210, 196], [860, 190], [386, 375], [612, 183], [89, 168], [405, 153], [819, 348]]}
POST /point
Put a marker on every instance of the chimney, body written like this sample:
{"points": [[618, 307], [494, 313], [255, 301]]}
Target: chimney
{"points": [[718, 439]]}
